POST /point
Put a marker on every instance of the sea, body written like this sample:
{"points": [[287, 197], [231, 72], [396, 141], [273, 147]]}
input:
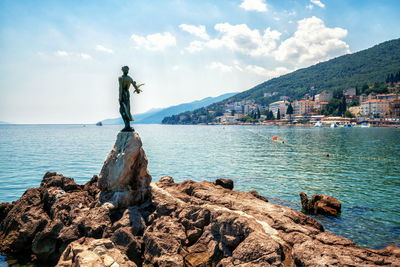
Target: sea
{"points": [[362, 170]]}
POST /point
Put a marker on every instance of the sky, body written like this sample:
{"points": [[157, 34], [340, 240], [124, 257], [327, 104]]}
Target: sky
{"points": [[60, 60]]}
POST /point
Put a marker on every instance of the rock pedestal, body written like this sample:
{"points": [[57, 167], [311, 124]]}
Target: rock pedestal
{"points": [[124, 179]]}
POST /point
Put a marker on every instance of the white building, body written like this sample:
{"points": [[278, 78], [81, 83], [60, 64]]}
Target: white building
{"points": [[324, 96], [279, 105], [350, 92], [303, 107], [375, 107]]}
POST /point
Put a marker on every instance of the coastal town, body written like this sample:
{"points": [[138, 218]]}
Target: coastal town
{"points": [[325, 109]]}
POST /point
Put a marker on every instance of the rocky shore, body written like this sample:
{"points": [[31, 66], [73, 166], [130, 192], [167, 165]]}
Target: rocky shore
{"points": [[191, 223]]}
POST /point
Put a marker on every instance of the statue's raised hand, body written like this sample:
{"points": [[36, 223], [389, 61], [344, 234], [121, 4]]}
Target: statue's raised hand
{"points": [[137, 88]]}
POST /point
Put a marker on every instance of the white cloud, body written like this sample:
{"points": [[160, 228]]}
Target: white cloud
{"points": [[61, 53], [219, 66], [309, 6], [85, 56], [237, 65], [254, 5], [240, 38], [318, 3], [312, 42], [199, 31], [267, 73], [104, 49], [154, 42], [65, 54], [195, 46]]}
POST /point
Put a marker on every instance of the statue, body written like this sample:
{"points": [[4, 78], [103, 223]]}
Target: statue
{"points": [[125, 81]]}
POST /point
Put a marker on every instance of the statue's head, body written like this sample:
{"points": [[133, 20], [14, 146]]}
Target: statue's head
{"points": [[125, 69]]}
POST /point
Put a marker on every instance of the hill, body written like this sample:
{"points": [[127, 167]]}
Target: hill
{"points": [[155, 116], [368, 66], [353, 70]]}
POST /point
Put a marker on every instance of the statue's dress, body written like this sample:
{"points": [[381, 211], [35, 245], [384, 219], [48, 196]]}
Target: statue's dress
{"points": [[124, 102]]}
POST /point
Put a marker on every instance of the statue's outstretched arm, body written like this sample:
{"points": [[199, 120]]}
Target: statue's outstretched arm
{"points": [[137, 87]]}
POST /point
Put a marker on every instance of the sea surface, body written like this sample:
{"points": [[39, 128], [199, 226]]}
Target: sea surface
{"points": [[363, 170]]}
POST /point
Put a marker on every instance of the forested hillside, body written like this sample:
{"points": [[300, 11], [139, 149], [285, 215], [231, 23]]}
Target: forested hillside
{"points": [[367, 67]]}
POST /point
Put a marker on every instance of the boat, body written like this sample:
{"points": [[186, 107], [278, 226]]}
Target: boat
{"points": [[365, 125], [334, 125], [99, 123], [318, 124]]}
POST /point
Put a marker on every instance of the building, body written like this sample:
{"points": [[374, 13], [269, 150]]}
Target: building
{"points": [[375, 107], [324, 96], [363, 98], [303, 107], [270, 94], [284, 97], [350, 92], [372, 96], [319, 106], [389, 97], [279, 105], [395, 108]]}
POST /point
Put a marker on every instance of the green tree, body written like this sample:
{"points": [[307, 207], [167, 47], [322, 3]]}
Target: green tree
{"points": [[270, 115], [247, 118], [289, 111], [348, 114]]}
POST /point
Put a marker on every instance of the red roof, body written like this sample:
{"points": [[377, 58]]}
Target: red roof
{"points": [[306, 101], [375, 100]]}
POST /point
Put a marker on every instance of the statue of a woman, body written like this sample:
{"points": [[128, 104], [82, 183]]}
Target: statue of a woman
{"points": [[125, 81]]}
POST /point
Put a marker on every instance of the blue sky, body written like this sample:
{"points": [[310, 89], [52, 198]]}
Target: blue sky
{"points": [[60, 59]]}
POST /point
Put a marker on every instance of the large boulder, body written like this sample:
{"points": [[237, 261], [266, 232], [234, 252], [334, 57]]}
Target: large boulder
{"points": [[320, 204], [124, 179], [46, 219], [225, 183]]}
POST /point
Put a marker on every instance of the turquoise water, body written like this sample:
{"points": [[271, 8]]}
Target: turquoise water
{"points": [[363, 170]]}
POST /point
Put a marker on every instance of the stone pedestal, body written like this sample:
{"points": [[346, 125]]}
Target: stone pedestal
{"points": [[124, 179]]}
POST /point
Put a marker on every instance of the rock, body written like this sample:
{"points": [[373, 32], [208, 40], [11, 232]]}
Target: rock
{"points": [[255, 194], [124, 179], [4, 209], [184, 224], [320, 204], [89, 252], [225, 183], [166, 180], [46, 219]]}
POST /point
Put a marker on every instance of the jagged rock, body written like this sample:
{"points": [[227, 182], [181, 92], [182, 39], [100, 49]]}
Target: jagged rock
{"points": [[233, 228], [4, 209], [225, 183], [124, 179], [45, 219], [257, 195], [88, 252], [320, 204], [185, 224]]}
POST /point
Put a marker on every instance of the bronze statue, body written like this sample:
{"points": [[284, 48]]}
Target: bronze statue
{"points": [[125, 81]]}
